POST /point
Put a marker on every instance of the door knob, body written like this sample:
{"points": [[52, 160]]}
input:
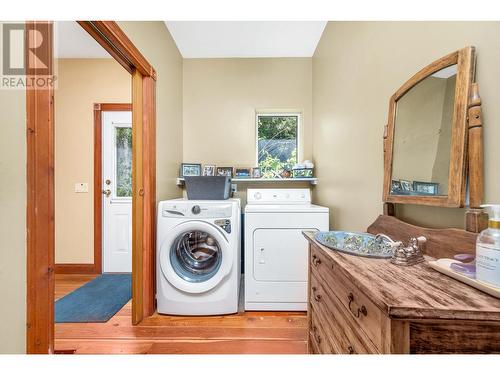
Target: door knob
{"points": [[107, 193]]}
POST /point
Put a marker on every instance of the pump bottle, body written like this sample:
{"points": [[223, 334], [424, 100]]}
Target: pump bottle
{"points": [[488, 249]]}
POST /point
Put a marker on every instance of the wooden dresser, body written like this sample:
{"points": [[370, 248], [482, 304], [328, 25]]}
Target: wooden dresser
{"points": [[362, 305]]}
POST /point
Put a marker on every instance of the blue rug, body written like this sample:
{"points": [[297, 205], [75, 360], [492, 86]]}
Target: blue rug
{"points": [[96, 301]]}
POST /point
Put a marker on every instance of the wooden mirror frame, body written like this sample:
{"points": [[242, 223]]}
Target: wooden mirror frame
{"points": [[459, 158]]}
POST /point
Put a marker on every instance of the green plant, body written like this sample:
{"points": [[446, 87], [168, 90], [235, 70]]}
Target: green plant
{"points": [[271, 166], [277, 137], [277, 127]]}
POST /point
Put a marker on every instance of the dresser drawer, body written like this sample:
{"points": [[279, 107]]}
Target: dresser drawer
{"points": [[342, 330], [357, 306], [318, 336], [318, 260]]}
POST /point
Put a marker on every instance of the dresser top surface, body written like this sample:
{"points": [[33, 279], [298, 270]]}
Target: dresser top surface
{"points": [[415, 292]]}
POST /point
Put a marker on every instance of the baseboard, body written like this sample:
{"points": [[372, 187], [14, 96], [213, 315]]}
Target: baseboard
{"points": [[76, 268]]}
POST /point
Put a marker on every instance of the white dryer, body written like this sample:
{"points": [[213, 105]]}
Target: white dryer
{"points": [[198, 257], [276, 252]]}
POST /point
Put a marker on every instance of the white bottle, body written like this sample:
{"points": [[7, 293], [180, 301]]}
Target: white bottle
{"points": [[488, 249]]}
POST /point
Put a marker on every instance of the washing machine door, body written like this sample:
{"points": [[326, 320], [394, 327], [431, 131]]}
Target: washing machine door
{"points": [[195, 256]]}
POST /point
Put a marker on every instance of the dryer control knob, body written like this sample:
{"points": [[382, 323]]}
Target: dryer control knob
{"points": [[257, 196], [196, 210]]}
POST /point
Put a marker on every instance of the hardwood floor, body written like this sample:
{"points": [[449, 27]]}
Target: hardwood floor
{"points": [[242, 333]]}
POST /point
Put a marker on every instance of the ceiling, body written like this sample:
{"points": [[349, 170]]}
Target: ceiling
{"points": [[71, 41], [225, 39], [209, 39]]}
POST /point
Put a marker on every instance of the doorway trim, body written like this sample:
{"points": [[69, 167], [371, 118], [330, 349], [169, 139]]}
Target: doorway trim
{"points": [[98, 109], [40, 210]]}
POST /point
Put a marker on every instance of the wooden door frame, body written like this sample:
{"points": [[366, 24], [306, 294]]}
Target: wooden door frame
{"points": [[40, 210], [98, 109]]}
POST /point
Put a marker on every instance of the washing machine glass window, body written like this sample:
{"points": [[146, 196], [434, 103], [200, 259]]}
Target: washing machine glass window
{"points": [[195, 256]]}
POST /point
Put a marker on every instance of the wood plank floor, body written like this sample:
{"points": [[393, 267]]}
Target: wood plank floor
{"points": [[242, 333]]}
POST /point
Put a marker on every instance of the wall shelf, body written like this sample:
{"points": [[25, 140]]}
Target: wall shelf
{"points": [[311, 180]]}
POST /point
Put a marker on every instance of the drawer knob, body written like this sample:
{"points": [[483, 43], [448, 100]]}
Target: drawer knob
{"points": [[350, 349], [316, 261], [317, 297], [356, 312], [316, 336]]}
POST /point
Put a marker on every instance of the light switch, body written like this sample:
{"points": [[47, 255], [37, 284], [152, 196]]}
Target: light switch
{"points": [[81, 187]]}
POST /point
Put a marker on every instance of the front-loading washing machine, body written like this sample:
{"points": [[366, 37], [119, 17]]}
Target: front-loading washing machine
{"points": [[198, 257]]}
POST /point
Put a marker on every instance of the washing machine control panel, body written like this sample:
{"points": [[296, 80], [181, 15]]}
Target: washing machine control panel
{"points": [[197, 210]]}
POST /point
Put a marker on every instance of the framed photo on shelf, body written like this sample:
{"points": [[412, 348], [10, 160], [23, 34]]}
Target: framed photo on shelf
{"points": [[395, 185], [406, 185], [224, 171], [431, 188], [256, 172], [190, 169], [242, 172], [209, 170]]}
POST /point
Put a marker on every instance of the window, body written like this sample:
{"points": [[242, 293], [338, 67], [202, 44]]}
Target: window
{"points": [[123, 161], [277, 143]]}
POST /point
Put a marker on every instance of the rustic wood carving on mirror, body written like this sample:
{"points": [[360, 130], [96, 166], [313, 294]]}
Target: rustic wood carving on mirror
{"points": [[433, 152]]}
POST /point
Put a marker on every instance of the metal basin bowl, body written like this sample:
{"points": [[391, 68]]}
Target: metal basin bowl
{"points": [[360, 244]]}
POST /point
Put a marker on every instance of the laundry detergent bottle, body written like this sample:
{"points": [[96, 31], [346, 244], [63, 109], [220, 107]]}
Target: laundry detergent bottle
{"points": [[488, 249]]}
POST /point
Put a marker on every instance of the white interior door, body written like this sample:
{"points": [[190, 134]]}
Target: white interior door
{"points": [[117, 191]]}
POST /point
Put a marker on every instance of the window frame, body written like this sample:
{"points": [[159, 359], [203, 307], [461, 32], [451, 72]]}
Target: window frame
{"points": [[278, 114]]}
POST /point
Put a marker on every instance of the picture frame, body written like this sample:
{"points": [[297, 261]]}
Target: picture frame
{"points": [[224, 171], [242, 172], [286, 173], [406, 185], [396, 186], [209, 170], [190, 169], [431, 188], [256, 172]]}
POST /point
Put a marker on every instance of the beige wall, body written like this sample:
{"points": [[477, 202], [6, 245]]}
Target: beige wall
{"points": [[221, 97], [157, 45], [81, 83], [12, 220], [357, 66]]}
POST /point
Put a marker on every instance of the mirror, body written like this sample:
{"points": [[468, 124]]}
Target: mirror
{"points": [[422, 136], [425, 140]]}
